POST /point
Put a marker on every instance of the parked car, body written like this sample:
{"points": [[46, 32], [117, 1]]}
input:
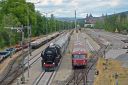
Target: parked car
{"points": [[11, 50], [18, 48], [4, 55]]}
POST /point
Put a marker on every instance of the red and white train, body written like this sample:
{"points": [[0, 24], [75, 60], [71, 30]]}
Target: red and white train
{"points": [[79, 53]]}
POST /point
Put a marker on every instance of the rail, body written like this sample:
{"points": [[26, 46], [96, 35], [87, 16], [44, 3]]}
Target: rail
{"points": [[14, 73], [84, 72]]}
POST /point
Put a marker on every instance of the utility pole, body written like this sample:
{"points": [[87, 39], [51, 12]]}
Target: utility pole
{"points": [[29, 40], [75, 19], [29, 37], [22, 40]]}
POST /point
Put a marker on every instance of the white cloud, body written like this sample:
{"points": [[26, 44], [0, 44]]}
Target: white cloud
{"points": [[33, 1], [57, 2], [49, 2], [74, 3], [106, 3], [44, 2], [114, 3], [67, 7]]}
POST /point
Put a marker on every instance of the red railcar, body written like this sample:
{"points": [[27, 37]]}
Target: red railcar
{"points": [[79, 55], [79, 59]]}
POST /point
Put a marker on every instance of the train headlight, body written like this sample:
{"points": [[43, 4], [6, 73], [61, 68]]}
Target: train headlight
{"points": [[44, 63]]}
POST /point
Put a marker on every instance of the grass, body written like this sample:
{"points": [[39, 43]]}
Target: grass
{"points": [[107, 71]]}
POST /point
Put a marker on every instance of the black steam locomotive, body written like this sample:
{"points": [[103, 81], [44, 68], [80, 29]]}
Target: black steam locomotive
{"points": [[52, 54]]}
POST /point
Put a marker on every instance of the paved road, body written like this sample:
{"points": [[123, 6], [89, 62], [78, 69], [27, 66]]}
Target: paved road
{"points": [[114, 39]]}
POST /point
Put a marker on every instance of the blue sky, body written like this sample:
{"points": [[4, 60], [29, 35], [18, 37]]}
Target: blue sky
{"points": [[65, 8]]}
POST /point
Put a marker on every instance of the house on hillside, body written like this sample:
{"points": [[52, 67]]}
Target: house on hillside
{"points": [[90, 21]]}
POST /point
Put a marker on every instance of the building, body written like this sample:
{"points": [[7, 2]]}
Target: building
{"points": [[90, 19]]}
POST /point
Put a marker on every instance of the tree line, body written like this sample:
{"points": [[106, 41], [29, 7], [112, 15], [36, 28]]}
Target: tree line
{"points": [[19, 13], [115, 22]]}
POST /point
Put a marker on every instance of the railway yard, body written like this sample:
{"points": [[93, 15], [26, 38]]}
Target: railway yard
{"points": [[107, 61], [63, 42]]}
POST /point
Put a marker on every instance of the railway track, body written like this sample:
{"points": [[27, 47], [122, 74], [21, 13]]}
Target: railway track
{"points": [[13, 74], [45, 78], [81, 77]]}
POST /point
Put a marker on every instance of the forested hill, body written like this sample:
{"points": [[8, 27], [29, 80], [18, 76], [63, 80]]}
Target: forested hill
{"points": [[19, 13], [116, 21], [125, 13], [80, 21]]}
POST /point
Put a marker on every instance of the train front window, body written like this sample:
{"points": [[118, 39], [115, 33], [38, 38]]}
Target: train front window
{"points": [[79, 56]]}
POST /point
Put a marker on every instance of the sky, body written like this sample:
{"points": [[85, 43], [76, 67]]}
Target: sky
{"points": [[66, 8]]}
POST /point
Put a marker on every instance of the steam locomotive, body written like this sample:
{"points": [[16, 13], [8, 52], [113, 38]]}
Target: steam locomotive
{"points": [[52, 54]]}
